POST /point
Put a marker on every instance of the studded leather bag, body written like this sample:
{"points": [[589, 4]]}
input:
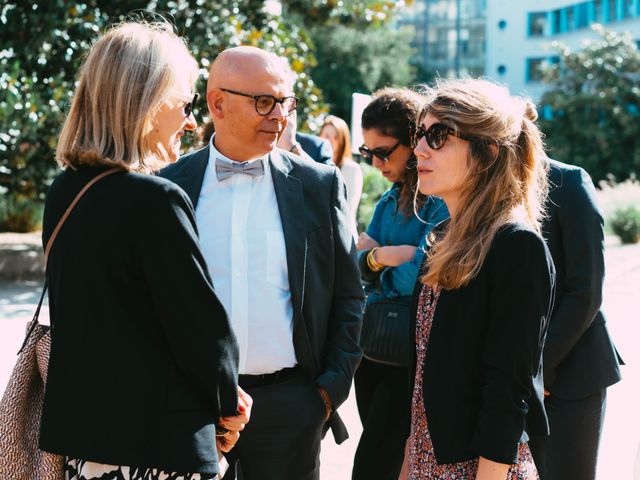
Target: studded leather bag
{"points": [[386, 332], [21, 405]]}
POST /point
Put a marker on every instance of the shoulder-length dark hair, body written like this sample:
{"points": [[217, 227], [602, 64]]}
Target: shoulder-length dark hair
{"points": [[394, 112]]}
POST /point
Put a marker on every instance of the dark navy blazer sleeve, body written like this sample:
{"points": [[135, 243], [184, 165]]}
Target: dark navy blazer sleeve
{"points": [[342, 353], [196, 325], [582, 231]]}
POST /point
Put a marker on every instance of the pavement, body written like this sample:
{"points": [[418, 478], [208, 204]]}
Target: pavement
{"points": [[620, 445]]}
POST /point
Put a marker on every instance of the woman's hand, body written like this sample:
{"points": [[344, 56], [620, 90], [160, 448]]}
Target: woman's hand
{"points": [[235, 424], [394, 255], [490, 470], [365, 242]]}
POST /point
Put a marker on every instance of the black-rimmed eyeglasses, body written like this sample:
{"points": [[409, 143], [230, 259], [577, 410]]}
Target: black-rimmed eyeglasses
{"points": [[383, 154], [436, 135], [265, 104], [188, 107]]}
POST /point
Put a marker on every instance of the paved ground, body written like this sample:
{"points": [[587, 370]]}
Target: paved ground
{"points": [[621, 438]]}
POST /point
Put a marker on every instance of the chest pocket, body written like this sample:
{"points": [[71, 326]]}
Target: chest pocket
{"points": [[277, 272]]}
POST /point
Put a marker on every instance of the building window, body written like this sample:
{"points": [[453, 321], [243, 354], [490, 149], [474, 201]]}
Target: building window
{"points": [[535, 69], [502, 69], [537, 23], [502, 24], [597, 11], [555, 22], [612, 11], [570, 19], [582, 15]]}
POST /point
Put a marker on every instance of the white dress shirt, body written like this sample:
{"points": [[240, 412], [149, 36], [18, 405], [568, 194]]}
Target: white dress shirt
{"points": [[352, 174], [243, 244]]}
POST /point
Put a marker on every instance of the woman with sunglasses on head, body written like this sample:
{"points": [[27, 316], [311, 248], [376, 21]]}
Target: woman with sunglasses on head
{"points": [[336, 131], [390, 254], [143, 361], [484, 299]]}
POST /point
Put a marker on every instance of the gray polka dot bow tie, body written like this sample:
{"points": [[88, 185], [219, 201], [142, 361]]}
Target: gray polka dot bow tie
{"points": [[225, 170]]}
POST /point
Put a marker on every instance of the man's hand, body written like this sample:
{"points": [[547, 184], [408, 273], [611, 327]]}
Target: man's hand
{"points": [[235, 424], [227, 441], [288, 138], [365, 242], [327, 402]]}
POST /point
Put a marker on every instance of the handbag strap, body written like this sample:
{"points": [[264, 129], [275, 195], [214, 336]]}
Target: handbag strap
{"points": [[47, 250], [66, 214]]}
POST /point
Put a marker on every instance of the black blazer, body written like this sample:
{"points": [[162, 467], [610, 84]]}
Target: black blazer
{"points": [[579, 356], [317, 148], [483, 372], [143, 361], [323, 273]]}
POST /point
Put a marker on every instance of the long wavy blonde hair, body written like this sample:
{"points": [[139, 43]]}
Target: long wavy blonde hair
{"points": [[507, 177]]}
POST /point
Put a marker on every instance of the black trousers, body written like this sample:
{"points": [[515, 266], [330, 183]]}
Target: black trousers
{"points": [[382, 398], [282, 439], [571, 450]]}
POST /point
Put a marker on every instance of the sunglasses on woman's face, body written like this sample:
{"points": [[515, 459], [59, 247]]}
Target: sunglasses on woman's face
{"points": [[436, 135], [382, 153], [188, 107]]}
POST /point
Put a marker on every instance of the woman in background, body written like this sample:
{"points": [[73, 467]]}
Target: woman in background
{"points": [[485, 298], [390, 253], [337, 132], [143, 361]]}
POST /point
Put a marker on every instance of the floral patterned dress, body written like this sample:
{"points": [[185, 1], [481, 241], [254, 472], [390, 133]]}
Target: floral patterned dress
{"points": [[422, 463], [75, 469]]}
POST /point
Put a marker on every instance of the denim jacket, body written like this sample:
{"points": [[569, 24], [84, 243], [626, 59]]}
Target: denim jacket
{"points": [[389, 226]]}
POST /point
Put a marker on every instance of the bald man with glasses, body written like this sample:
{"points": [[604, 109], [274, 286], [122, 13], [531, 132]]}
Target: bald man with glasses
{"points": [[274, 232]]}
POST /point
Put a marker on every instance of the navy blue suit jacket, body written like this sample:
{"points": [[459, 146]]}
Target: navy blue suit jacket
{"points": [[324, 278], [317, 148], [579, 356]]}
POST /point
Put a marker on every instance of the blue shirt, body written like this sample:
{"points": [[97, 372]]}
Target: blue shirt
{"points": [[390, 226]]}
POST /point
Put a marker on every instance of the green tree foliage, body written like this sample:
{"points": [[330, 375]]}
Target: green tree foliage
{"points": [[594, 106], [42, 45], [356, 47], [360, 60]]}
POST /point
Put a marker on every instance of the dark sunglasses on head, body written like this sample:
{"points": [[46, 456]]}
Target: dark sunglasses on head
{"points": [[265, 104], [436, 135], [381, 153], [188, 107]]}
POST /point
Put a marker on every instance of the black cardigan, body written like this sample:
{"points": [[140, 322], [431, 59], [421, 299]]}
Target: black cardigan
{"points": [[143, 361], [482, 382]]}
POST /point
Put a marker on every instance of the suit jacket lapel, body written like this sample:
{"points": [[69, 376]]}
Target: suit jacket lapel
{"points": [[290, 199], [191, 177]]}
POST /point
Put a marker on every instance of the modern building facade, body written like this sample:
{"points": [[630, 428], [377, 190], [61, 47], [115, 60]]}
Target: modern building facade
{"points": [[519, 35], [450, 36], [506, 40]]}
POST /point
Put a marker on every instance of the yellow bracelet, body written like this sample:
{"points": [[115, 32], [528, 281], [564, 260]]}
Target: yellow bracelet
{"points": [[371, 261]]}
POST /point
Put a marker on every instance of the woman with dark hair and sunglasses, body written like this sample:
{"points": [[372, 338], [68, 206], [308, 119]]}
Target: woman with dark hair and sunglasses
{"points": [[390, 254], [484, 299]]}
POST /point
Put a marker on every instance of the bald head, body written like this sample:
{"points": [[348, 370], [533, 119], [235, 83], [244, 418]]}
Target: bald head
{"points": [[244, 66], [238, 78]]}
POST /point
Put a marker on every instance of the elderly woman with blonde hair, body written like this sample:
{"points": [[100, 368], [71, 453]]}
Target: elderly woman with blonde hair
{"points": [[143, 361]]}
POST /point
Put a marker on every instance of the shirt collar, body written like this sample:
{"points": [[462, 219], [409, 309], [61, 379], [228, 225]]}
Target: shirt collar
{"points": [[215, 153]]}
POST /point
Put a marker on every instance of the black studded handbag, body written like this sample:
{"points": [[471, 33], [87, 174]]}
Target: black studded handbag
{"points": [[386, 332]]}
